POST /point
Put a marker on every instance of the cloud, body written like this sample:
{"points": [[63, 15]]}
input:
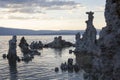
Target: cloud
{"points": [[11, 7], [40, 4]]}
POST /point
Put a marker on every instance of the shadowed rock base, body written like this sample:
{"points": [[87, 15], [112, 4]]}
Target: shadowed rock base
{"points": [[84, 61]]}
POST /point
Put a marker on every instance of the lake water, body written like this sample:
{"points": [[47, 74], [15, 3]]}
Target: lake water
{"points": [[41, 67]]}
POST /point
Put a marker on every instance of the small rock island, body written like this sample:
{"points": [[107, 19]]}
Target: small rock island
{"points": [[58, 42]]}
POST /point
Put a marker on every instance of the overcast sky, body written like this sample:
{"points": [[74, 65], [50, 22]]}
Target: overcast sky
{"points": [[50, 14]]}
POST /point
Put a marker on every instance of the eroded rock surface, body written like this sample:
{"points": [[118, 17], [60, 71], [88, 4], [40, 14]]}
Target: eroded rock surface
{"points": [[12, 54], [109, 43], [106, 53], [87, 43]]}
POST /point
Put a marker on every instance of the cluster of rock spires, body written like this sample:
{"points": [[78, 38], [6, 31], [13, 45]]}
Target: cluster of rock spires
{"points": [[103, 55], [28, 53], [59, 43], [30, 50], [87, 41], [69, 66], [36, 45]]}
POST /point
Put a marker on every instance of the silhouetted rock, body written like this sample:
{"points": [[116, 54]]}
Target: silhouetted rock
{"points": [[76, 67], [18, 59], [70, 51], [12, 55], [58, 43], [70, 61], [24, 46], [87, 43], [70, 67], [56, 69], [27, 58], [109, 60], [28, 54], [4, 56], [36, 45], [64, 67]]}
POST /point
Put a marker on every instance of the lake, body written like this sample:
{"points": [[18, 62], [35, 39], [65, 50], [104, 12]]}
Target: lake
{"points": [[41, 67]]}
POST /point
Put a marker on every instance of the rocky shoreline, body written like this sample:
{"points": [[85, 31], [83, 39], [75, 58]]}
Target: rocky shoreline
{"points": [[103, 54]]}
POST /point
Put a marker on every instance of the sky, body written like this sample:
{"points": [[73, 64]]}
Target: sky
{"points": [[50, 14]]}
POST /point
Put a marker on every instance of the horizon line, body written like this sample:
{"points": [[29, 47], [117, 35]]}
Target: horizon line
{"points": [[46, 29]]}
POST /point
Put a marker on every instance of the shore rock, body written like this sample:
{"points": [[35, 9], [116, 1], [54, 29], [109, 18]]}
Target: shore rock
{"points": [[109, 60]]}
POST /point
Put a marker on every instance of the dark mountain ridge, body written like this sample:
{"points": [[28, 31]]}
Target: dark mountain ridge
{"points": [[15, 31]]}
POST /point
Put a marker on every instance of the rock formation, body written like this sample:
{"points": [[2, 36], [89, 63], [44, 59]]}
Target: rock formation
{"points": [[36, 45], [12, 55], [24, 46], [106, 65], [87, 43], [28, 54], [69, 66], [58, 43], [56, 69], [109, 43]]}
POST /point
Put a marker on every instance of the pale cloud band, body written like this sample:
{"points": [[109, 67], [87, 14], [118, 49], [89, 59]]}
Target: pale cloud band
{"points": [[29, 6], [10, 7]]}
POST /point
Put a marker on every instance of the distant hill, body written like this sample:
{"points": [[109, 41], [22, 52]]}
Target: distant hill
{"points": [[14, 31]]}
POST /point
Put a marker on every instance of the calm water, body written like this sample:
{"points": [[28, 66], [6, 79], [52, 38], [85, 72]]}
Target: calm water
{"points": [[41, 67]]}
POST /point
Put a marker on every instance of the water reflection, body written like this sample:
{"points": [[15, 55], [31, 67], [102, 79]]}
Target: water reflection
{"points": [[58, 52], [30, 56], [13, 70]]}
